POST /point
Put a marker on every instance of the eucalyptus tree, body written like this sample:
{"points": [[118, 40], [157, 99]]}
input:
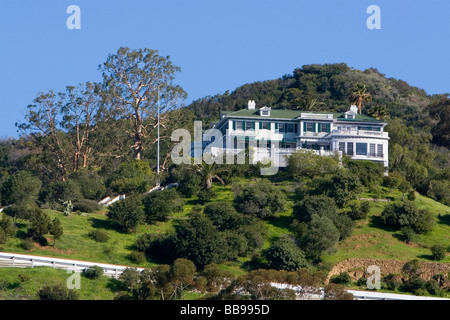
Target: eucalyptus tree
{"points": [[134, 81]]}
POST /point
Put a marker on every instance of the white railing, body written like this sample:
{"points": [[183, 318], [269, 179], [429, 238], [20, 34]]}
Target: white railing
{"points": [[13, 260], [360, 133]]}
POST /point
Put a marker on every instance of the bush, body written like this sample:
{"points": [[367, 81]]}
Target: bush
{"points": [[392, 281], [438, 252], [343, 278], [27, 244], [132, 177], [85, 205], [144, 241], [432, 286], [127, 214], [407, 234], [158, 205], [223, 215], [359, 211], [137, 257], [56, 292], [55, 193], [406, 214], [262, 200], [2, 236], [319, 205], [284, 254], [91, 184], [99, 235], [20, 188], [206, 195], [93, 272]]}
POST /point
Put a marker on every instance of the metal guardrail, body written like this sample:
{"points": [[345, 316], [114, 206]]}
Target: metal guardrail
{"points": [[12, 260]]}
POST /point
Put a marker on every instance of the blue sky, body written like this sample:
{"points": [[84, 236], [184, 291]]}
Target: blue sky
{"points": [[219, 44]]}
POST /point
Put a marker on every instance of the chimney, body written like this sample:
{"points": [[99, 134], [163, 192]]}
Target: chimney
{"points": [[251, 105], [354, 108]]}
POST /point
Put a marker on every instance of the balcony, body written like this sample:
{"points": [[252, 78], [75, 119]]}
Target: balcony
{"points": [[360, 133]]}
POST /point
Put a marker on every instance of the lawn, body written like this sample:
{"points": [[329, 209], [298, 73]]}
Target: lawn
{"points": [[31, 280]]}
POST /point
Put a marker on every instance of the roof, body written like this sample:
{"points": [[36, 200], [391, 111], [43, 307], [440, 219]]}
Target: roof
{"points": [[293, 114]]}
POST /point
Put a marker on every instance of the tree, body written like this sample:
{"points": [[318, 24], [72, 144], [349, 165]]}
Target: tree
{"points": [[91, 184], [93, 272], [359, 210], [40, 222], [158, 205], [56, 230], [132, 176], [199, 241], [223, 215], [306, 163], [360, 96], [20, 188], [321, 205], [284, 254], [406, 214], [132, 82], [126, 213], [8, 226], [343, 187], [321, 236], [183, 272], [262, 200], [209, 172], [438, 251]]}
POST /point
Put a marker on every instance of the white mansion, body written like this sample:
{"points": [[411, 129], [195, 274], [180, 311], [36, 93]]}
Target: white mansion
{"points": [[283, 131]]}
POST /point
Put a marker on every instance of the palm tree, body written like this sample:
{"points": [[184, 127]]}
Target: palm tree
{"points": [[359, 96], [209, 172]]}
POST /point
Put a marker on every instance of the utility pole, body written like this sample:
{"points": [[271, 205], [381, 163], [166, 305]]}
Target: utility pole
{"points": [[157, 165]]}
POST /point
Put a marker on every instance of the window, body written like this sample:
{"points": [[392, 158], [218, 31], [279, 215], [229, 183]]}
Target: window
{"points": [[239, 125], [350, 116], [281, 127], [249, 125], [372, 150], [350, 148], [264, 112], [324, 127], [264, 125], [309, 127], [379, 150], [361, 149], [290, 127], [342, 146]]}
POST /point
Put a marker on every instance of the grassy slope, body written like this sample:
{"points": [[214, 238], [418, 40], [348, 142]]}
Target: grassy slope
{"points": [[11, 288], [369, 239]]}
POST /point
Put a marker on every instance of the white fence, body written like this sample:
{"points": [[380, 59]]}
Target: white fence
{"points": [[13, 260]]}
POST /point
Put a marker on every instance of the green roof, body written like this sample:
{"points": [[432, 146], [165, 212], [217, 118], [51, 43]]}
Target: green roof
{"points": [[292, 114]]}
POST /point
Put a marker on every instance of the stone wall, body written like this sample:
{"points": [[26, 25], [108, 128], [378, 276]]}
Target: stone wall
{"points": [[356, 268]]}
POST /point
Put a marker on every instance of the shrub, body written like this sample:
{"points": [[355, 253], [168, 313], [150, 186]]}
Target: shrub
{"points": [[126, 213], [86, 205], [91, 184], [137, 257], [57, 292], [392, 281], [432, 286], [359, 211], [284, 254], [438, 252], [343, 278], [407, 234], [20, 188], [262, 200], [99, 235], [320, 205], [406, 214], [27, 244], [59, 191], [144, 241], [133, 176], [93, 272], [2, 236], [206, 195], [223, 215], [158, 205]]}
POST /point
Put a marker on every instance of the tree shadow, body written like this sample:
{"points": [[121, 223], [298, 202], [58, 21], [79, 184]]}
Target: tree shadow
{"points": [[13, 285], [115, 285], [377, 222], [103, 224], [444, 219], [281, 222], [427, 257]]}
